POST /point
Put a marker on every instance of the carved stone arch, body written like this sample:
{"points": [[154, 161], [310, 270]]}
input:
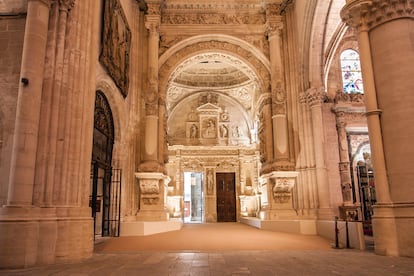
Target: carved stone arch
{"points": [[257, 65], [115, 100]]}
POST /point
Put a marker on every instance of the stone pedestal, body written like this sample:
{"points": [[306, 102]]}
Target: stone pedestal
{"points": [[279, 189], [152, 196]]}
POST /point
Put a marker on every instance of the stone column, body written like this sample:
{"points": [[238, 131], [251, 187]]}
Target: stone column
{"points": [[384, 30], [344, 169], [28, 104], [279, 118], [151, 177], [314, 98], [151, 139]]}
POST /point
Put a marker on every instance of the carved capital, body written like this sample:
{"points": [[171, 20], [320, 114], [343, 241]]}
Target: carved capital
{"points": [[272, 10], [367, 14], [66, 5], [152, 23], [153, 9], [274, 27], [340, 96], [313, 96]]}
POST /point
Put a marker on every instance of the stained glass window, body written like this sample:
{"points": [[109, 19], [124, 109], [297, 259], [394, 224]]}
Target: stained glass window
{"points": [[351, 72]]}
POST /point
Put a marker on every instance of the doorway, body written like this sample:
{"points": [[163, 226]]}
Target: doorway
{"points": [[105, 196], [226, 197], [193, 197]]}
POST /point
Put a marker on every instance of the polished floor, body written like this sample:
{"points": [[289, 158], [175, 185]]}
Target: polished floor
{"points": [[319, 259]]}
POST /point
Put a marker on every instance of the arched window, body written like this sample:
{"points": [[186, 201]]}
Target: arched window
{"points": [[351, 72]]}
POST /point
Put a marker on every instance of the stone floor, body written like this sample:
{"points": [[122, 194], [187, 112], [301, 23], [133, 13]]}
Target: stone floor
{"points": [[310, 262]]}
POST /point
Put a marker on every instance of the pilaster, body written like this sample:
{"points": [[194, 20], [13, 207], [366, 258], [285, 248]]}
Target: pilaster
{"points": [[274, 31], [314, 97]]}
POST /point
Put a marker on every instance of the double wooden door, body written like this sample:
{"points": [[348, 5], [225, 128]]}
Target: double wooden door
{"points": [[226, 197]]}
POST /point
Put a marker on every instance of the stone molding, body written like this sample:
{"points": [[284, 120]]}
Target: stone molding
{"points": [[358, 13]]}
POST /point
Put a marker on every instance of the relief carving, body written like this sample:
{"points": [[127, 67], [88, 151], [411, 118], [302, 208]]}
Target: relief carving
{"points": [[116, 45], [282, 189], [209, 18]]}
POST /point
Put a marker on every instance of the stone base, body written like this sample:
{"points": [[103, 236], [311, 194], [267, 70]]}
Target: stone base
{"points": [[393, 227], [43, 236], [153, 215], [143, 228], [324, 229], [304, 227]]}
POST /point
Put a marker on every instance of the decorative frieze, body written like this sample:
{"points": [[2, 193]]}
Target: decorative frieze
{"points": [[212, 19], [373, 13]]}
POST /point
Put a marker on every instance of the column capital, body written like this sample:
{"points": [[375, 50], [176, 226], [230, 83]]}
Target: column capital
{"points": [[274, 27], [367, 14], [66, 5], [313, 96], [152, 23]]}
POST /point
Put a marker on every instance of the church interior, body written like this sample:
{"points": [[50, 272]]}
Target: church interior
{"points": [[133, 117]]}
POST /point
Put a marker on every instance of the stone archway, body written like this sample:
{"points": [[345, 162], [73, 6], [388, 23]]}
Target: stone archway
{"points": [[214, 85]]}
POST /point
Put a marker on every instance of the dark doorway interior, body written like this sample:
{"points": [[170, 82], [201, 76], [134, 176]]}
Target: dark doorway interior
{"points": [[226, 197]]}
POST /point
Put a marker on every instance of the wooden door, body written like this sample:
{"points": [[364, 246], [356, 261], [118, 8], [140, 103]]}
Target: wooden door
{"points": [[226, 197]]}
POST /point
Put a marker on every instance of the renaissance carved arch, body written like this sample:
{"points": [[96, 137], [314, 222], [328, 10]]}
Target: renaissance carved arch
{"points": [[257, 65]]}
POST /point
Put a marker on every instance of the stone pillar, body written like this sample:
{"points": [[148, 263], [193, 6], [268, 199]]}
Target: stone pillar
{"points": [[151, 140], [384, 30], [344, 168], [314, 98], [151, 178], [279, 119], [28, 104]]}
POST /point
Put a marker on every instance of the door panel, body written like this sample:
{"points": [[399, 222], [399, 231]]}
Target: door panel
{"points": [[226, 197]]}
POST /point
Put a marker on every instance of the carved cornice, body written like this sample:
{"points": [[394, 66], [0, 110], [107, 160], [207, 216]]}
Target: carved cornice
{"points": [[371, 13]]}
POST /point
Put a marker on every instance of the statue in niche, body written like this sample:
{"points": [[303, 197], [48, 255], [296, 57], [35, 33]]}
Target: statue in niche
{"points": [[237, 133], [210, 182], [224, 132], [193, 131], [210, 130]]}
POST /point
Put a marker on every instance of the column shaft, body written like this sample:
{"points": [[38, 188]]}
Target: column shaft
{"points": [[28, 105]]}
